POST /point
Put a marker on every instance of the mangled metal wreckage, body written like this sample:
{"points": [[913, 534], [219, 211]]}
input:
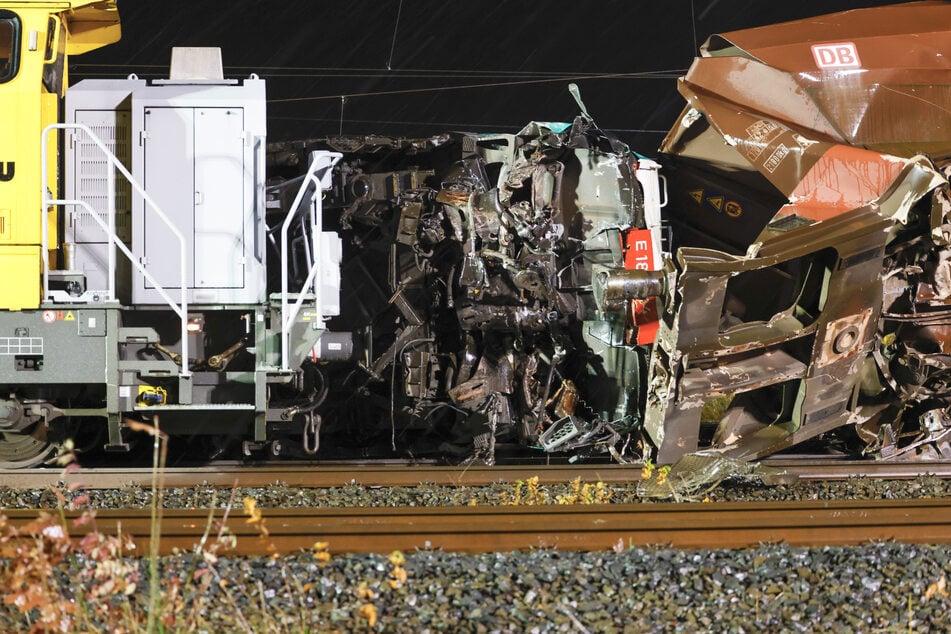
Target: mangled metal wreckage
{"points": [[467, 282], [523, 290], [811, 282]]}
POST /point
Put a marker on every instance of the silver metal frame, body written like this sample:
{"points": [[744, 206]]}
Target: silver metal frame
{"points": [[321, 163]]}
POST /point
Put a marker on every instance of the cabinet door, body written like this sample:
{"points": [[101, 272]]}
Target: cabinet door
{"points": [[169, 167], [219, 198]]}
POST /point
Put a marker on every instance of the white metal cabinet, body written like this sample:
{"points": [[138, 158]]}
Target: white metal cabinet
{"points": [[199, 158]]}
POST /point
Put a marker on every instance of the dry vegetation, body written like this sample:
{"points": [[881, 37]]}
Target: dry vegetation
{"points": [[50, 582]]}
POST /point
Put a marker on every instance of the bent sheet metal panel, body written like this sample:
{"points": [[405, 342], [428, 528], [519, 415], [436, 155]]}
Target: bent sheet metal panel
{"points": [[840, 139]]}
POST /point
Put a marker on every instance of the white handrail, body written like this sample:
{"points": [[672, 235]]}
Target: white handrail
{"points": [[182, 309], [323, 161]]}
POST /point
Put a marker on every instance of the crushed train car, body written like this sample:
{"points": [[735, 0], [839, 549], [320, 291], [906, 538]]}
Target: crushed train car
{"points": [[809, 179], [780, 274], [804, 290], [467, 274]]}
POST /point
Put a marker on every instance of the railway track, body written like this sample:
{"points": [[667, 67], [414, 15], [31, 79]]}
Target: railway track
{"points": [[323, 475], [489, 529]]}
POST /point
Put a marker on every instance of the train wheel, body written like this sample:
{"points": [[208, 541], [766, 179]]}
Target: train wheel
{"points": [[23, 450]]}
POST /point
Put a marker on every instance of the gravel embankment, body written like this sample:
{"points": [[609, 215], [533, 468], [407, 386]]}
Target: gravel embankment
{"points": [[279, 496], [771, 588], [879, 587]]}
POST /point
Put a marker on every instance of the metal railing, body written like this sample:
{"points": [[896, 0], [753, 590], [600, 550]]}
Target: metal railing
{"points": [[109, 228], [321, 163]]}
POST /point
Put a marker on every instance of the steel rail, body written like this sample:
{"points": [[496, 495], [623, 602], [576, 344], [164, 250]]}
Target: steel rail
{"points": [[493, 529], [324, 475]]}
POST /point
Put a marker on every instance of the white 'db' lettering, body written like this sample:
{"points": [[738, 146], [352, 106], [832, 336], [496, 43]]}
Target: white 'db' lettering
{"points": [[839, 55]]}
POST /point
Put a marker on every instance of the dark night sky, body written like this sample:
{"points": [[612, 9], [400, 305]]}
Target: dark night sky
{"points": [[397, 61]]}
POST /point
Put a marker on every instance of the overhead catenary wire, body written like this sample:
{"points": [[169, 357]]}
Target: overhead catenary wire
{"points": [[506, 84], [359, 71], [445, 124], [536, 77], [521, 78], [502, 84]]}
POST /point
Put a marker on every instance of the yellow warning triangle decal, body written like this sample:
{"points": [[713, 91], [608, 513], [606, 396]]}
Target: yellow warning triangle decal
{"points": [[697, 195], [69, 316], [716, 201]]}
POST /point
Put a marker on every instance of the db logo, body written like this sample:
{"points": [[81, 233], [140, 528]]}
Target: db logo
{"points": [[841, 55]]}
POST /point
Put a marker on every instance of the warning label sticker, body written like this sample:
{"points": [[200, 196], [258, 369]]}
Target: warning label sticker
{"points": [[776, 158], [759, 135], [49, 316]]}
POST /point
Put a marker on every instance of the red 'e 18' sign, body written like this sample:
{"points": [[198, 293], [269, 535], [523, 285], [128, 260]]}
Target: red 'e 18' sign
{"points": [[840, 55], [639, 250]]}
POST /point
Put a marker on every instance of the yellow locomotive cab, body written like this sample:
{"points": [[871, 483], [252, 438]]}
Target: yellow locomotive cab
{"points": [[35, 41]]}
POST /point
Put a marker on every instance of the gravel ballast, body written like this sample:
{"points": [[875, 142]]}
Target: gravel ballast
{"points": [[771, 588], [880, 587], [281, 496], [872, 588]]}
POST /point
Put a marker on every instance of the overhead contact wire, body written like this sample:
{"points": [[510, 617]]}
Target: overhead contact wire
{"points": [[444, 124], [395, 71], [446, 88]]}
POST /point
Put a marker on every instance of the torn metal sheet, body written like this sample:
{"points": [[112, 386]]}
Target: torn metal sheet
{"points": [[872, 78], [809, 178], [697, 473]]}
